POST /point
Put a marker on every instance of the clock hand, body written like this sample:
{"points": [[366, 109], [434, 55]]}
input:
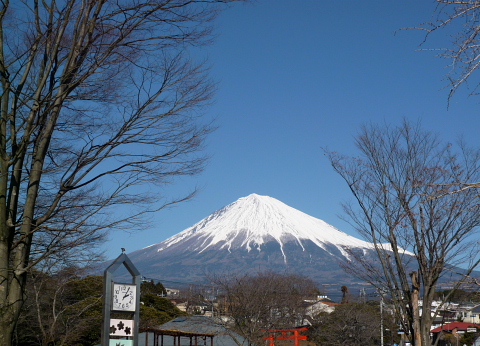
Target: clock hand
{"points": [[126, 293]]}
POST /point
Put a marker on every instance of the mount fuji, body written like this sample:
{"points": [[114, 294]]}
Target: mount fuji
{"points": [[254, 233]]}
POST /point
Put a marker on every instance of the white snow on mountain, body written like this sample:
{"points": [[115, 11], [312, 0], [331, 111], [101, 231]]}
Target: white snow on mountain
{"points": [[252, 221]]}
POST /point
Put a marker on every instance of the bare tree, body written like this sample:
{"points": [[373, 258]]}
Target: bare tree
{"points": [[401, 183], [345, 295], [463, 16], [459, 20], [99, 103], [61, 309], [195, 296], [264, 301], [352, 324]]}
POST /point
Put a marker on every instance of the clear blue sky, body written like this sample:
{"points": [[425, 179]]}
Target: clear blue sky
{"points": [[296, 76]]}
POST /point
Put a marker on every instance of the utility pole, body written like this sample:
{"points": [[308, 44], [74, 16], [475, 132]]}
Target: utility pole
{"points": [[363, 295], [381, 318]]}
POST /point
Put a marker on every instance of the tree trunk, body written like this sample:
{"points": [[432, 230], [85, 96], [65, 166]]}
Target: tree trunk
{"points": [[62, 166], [10, 311], [417, 336]]}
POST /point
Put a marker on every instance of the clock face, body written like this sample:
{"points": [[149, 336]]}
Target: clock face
{"points": [[124, 297]]}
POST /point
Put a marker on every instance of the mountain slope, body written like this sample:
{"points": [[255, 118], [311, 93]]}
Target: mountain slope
{"points": [[253, 221], [253, 233]]}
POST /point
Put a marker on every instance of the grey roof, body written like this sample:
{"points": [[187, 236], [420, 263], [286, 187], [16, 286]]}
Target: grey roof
{"points": [[197, 324]]}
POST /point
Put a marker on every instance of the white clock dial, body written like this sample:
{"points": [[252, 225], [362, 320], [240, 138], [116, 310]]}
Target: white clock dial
{"points": [[124, 297]]}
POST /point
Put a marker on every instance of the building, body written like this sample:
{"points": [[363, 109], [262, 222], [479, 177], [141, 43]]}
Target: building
{"points": [[454, 331], [190, 331]]}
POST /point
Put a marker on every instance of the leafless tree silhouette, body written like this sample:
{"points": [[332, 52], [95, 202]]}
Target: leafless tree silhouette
{"points": [[401, 183], [100, 102]]}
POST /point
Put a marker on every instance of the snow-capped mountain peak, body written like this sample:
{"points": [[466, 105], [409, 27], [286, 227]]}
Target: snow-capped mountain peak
{"points": [[252, 221], [254, 233]]}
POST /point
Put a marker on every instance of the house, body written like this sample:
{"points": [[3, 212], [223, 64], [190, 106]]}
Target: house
{"points": [[201, 307], [320, 306], [438, 306], [194, 307], [456, 327], [181, 304], [455, 330], [314, 307], [172, 292], [443, 312], [469, 313], [443, 317]]}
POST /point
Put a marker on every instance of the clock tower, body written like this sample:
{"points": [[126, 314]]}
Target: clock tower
{"points": [[121, 299]]}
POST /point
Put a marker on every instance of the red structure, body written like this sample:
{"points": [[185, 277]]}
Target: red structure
{"points": [[286, 334]]}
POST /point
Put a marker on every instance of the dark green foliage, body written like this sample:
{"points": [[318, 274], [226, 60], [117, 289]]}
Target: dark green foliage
{"points": [[61, 309], [84, 310], [66, 309], [161, 304], [82, 288], [151, 287], [469, 338], [152, 318], [87, 314], [157, 310], [459, 296]]}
